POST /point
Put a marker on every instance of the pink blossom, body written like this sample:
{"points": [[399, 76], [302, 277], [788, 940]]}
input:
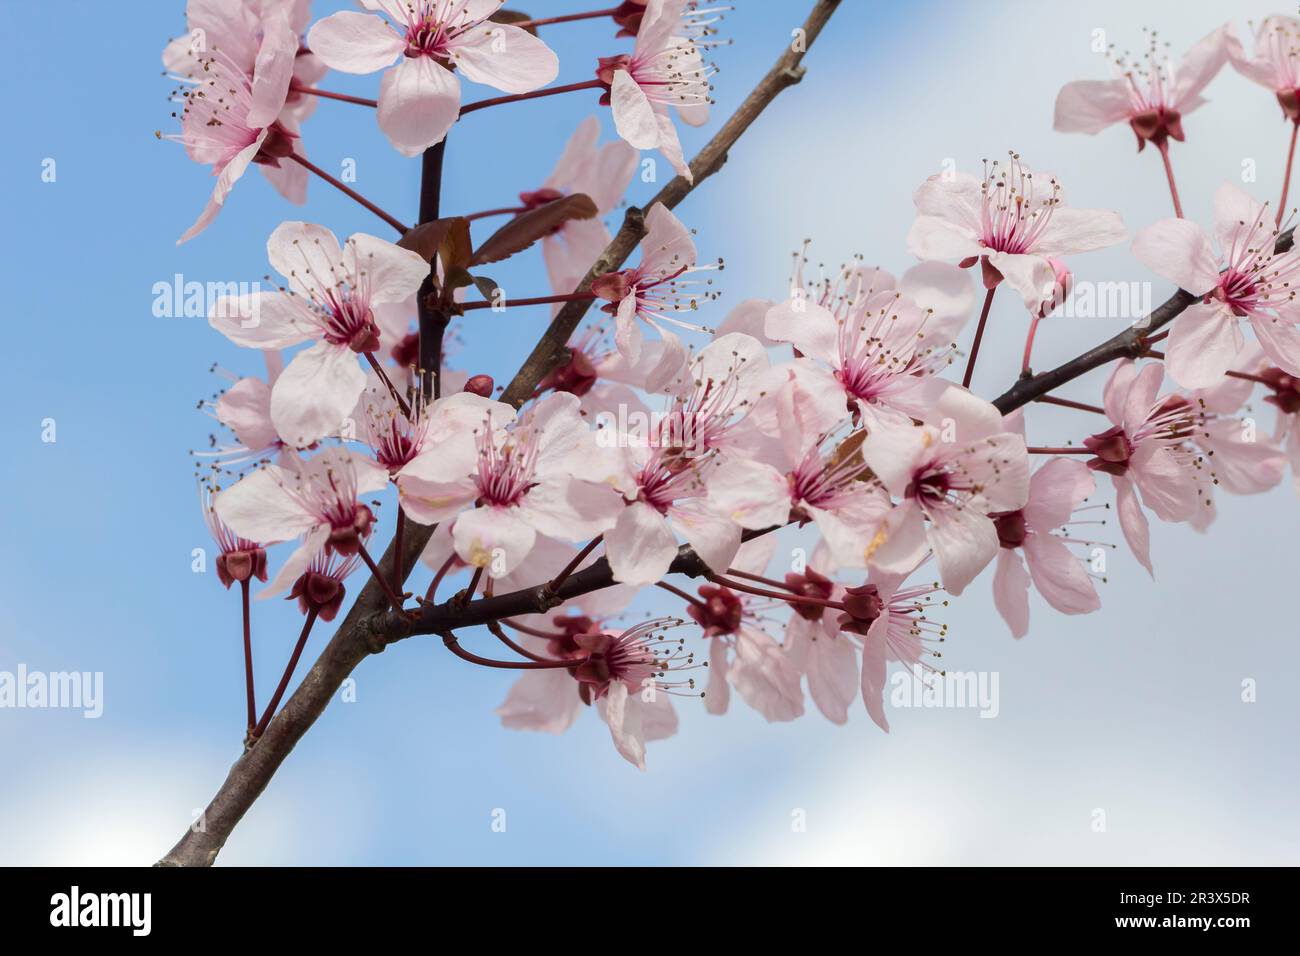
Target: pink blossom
{"points": [[651, 292], [817, 648], [1147, 451], [810, 477], [1248, 281], [665, 70], [238, 559], [1151, 94], [878, 347], [419, 98], [245, 409], [948, 482], [1056, 491], [231, 107], [892, 622], [317, 498], [1274, 64], [664, 476], [523, 479], [330, 297], [600, 173], [1011, 221]]}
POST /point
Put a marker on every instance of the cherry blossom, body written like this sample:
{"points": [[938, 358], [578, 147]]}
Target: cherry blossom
{"points": [[330, 297], [523, 479], [419, 97], [877, 346], [1028, 537], [1151, 94], [665, 70], [238, 559], [316, 498], [1249, 281], [1273, 65], [652, 291], [1011, 221], [230, 107], [948, 482], [1146, 452]]}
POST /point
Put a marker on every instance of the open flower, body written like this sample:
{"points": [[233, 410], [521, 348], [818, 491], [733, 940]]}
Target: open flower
{"points": [[665, 70], [876, 346], [419, 98], [1151, 94], [330, 297], [1011, 221], [317, 498], [651, 292], [1056, 491], [231, 107], [949, 482], [1256, 283], [602, 174], [1147, 451], [524, 480], [1274, 65]]}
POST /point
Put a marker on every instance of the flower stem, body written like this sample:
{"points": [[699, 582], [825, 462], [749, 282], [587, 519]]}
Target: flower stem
{"points": [[503, 211], [1029, 346], [288, 675], [1070, 403], [536, 300], [763, 592], [495, 628], [554, 584], [519, 97], [450, 641], [567, 18], [432, 594], [399, 533], [342, 97], [979, 335], [1068, 450], [1286, 181], [535, 632], [1169, 174], [758, 579], [248, 656], [389, 592], [349, 192], [392, 389], [680, 593], [1247, 376]]}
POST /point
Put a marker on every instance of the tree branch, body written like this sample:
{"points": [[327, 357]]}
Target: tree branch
{"points": [[1131, 343], [368, 629]]}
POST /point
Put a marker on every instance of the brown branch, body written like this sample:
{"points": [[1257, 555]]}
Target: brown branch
{"points": [[368, 629], [1131, 343]]}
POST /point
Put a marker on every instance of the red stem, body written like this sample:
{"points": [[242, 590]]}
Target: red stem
{"points": [[450, 641], [392, 389], [763, 592], [554, 584], [567, 18], [1069, 403], [343, 97], [288, 674], [536, 300], [431, 594], [398, 535], [1068, 450], [758, 578], [1029, 346], [519, 97], [535, 632], [495, 628], [1169, 174], [389, 592], [1249, 377], [979, 335], [348, 191], [504, 210], [680, 593], [1286, 182], [248, 656]]}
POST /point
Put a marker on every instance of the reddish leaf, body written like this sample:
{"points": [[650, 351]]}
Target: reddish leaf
{"points": [[526, 228]]}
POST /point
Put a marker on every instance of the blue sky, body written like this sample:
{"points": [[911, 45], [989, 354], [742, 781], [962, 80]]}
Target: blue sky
{"points": [[1135, 710]]}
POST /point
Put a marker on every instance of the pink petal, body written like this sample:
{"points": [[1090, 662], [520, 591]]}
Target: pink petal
{"points": [[418, 102], [355, 42], [544, 700], [494, 538], [1089, 106], [1181, 252], [1011, 591], [1059, 576], [505, 57], [314, 395], [634, 117], [1133, 522], [1202, 344], [640, 546], [964, 542]]}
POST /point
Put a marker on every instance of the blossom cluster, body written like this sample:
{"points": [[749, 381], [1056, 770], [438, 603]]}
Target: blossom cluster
{"points": [[829, 408]]}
